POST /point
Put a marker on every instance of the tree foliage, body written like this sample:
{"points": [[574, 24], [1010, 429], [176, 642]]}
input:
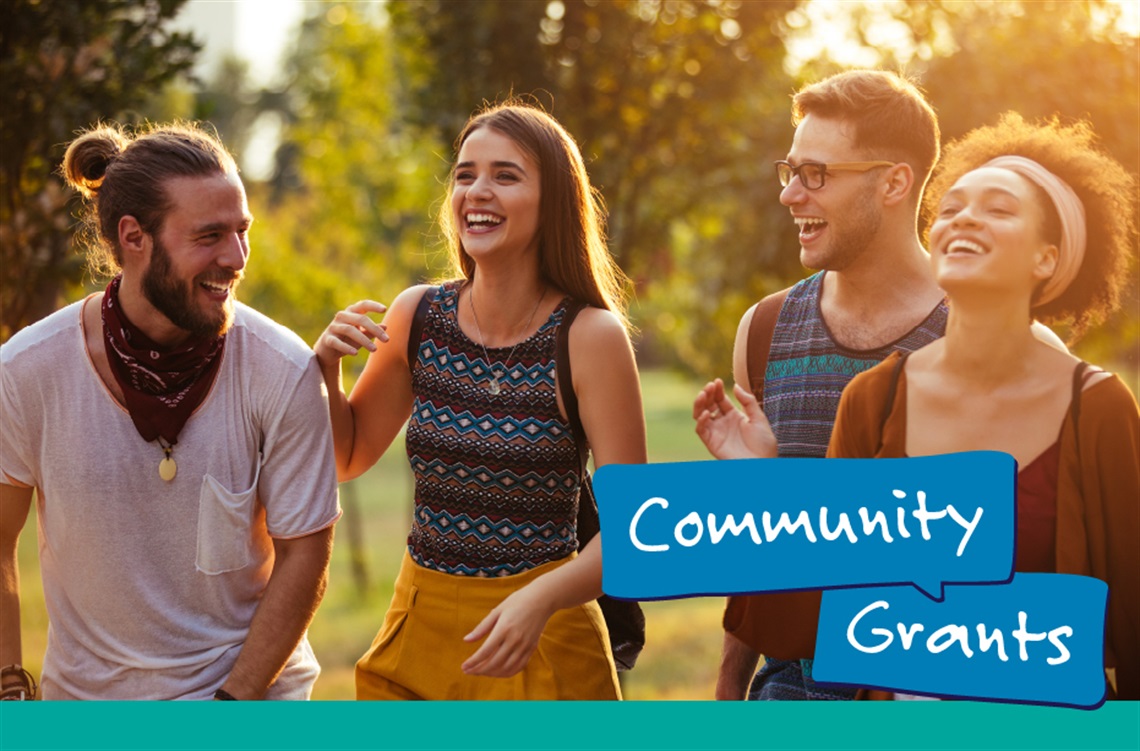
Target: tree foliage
{"points": [[679, 107], [1046, 59], [1063, 58], [65, 64], [676, 104], [231, 105], [347, 214]]}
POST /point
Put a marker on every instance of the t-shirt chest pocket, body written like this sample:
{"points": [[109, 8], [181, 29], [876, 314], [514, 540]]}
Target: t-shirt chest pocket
{"points": [[225, 526]]}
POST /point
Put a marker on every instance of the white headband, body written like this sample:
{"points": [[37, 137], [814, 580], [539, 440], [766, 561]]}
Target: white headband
{"points": [[1071, 212]]}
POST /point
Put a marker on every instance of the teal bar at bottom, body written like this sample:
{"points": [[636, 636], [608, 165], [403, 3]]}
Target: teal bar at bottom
{"points": [[553, 726]]}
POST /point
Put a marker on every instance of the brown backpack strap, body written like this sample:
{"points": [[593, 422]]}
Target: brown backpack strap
{"points": [[760, 332], [889, 403], [416, 332], [1081, 373]]}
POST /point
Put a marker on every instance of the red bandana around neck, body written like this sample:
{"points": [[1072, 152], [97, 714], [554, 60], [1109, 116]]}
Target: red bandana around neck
{"points": [[161, 387]]}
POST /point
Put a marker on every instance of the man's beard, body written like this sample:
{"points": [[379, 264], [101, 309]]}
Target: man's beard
{"points": [[174, 298], [854, 236]]}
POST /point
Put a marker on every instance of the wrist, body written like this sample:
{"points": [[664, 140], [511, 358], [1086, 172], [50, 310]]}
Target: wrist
{"points": [[17, 684], [329, 365], [238, 687], [535, 598], [544, 597]]}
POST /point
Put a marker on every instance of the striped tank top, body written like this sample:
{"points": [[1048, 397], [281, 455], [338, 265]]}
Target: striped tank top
{"points": [[497, 476], [807, 369]]}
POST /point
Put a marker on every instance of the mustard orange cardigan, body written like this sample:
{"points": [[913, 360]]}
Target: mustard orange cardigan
{"points": [[1098, 492]]}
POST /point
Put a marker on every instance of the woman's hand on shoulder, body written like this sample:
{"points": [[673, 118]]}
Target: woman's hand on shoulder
{"points": [[351, 329]]}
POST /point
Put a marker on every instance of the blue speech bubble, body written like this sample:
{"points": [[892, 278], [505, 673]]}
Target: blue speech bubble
{"points": [[765, 525], [1036, 640]]}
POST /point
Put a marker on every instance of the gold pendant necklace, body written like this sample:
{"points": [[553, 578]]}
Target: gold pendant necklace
{"points": [[494, 387], [167, 468]]}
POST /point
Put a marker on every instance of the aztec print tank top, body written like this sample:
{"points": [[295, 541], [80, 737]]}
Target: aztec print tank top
{"points": [[497, 476], [807, 369]]}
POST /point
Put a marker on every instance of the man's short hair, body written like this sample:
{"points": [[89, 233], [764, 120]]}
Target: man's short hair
{"points": [[891, 117]]}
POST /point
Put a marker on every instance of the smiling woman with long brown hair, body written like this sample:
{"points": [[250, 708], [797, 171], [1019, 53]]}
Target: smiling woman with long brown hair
{"points": [[510, 375]]}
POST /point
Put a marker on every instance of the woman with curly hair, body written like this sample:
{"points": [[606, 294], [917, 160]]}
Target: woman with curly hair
{"points": [[1028, 221], [510, 375]]}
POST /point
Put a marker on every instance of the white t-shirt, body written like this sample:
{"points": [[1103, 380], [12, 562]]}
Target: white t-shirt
{"points": [[151, 585]]}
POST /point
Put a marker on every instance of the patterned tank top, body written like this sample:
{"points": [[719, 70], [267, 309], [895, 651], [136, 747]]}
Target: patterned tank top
{"points": [[497, 476], [807, 369]]}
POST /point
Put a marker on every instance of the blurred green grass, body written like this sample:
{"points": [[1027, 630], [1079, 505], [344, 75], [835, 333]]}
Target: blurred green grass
{"points": [[682, 636]]}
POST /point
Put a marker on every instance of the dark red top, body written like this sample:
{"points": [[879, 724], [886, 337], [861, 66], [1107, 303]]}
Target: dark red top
{"points": [[1037, 512]]}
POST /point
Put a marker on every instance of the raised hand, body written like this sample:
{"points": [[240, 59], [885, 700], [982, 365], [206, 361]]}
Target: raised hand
{"points": [[727, 432], [350, 330]]}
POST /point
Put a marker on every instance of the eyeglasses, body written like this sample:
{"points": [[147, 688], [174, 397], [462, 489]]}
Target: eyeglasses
{"points": [[812, 174]]}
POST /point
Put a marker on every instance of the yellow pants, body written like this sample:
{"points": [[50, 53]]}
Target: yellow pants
{"points": [[418, 652]]}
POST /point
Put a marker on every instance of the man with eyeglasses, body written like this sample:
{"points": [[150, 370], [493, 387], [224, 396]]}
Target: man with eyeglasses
{"points": [[865, 145]]}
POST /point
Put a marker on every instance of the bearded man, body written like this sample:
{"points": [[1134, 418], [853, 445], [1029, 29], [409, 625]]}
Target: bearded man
{"points": [[178, 446]]}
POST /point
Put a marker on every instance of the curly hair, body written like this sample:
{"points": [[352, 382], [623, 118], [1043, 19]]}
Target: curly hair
{"points": [[1104, 186], [121, 173]]}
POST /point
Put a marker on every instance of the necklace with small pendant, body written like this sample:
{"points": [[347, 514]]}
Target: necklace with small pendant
{"points": [[494, 387], [167, 468]]}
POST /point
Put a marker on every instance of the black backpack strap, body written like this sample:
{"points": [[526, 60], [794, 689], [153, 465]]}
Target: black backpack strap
{"points": [[565, 378], [416, 332], [625, 620], [889, 404]]}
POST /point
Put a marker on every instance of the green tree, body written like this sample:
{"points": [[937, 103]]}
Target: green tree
{"points": [[1052, 57], [1044, 59], [66, 64], [678, 106], [1063, 58], [231, 105], [348, 213]]}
